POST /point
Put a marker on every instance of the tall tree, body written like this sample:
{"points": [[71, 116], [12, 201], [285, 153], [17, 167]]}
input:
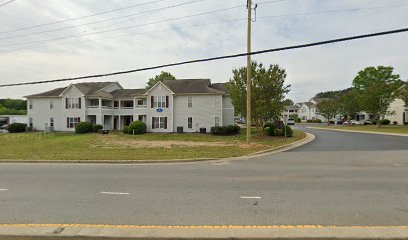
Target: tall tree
{"points": [[288, 102], [268, 92], [159, 78], [328, 108], [376, 86], [349, 104]]}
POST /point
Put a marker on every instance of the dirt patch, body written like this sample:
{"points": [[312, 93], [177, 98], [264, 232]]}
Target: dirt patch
{"points": [[107, 141]]}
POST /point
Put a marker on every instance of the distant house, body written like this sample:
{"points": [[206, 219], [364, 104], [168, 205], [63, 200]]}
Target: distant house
{"points": [[309, 111], [188, 103], [397, 112], [291, 110]]}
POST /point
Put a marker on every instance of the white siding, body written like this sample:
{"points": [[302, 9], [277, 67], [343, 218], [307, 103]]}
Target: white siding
{"points": [[71, 92], [227, 111], [397, 109], [160, 90], [203, 111], [41, 113]]}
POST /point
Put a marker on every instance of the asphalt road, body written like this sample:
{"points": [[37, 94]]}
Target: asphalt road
{"points": [[339, 179]]}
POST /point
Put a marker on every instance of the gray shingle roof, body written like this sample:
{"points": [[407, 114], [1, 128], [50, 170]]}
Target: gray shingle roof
{"points": [[191, 86], [292, 107], [220, 87], [90, 88], [52, 93], [128, 93]]}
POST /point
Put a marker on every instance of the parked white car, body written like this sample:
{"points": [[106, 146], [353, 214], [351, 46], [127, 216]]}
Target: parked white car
{"points": [[291, 121]]}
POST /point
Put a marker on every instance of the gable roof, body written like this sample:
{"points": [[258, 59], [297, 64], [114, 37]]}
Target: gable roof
{"points": [[197, 86], [128, 93], [52, 93], [90, 88], [292, 107]]}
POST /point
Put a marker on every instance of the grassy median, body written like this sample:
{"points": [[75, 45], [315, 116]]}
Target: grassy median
{"points": [[373, 128], [118, 146]]}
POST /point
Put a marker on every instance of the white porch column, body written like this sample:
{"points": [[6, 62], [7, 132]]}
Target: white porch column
{"points": [[119, 123]]}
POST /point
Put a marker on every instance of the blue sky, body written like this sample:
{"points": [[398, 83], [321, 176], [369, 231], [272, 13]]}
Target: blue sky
{"points": [[279, 24]]}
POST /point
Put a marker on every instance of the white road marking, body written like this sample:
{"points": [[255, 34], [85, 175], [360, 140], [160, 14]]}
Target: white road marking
{"points": [[3, 189], [248, 197], [116, 193]]}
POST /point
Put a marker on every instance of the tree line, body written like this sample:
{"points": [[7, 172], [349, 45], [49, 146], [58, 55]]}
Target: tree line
{"points": [[13, 106], [372, 91]]}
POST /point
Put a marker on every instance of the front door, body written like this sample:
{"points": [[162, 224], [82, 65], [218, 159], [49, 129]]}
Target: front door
{"points": [[115, 123]]}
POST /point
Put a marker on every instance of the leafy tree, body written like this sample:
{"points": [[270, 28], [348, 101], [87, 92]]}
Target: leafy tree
{"points": [[159, 78], [349, 104], [267, 95], [333, 94], [376, 86], [328, 108], [13, 106], [288, 102]]}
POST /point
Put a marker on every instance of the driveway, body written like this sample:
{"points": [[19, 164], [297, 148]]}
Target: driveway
{"points": [[340, 179]]}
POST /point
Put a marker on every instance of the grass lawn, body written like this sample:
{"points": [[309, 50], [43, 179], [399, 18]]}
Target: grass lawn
{"points": [[373, 128], [118, 146]]}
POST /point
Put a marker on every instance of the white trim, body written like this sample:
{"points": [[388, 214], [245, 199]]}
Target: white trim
{"points": [[155, 85], [66, 89]]}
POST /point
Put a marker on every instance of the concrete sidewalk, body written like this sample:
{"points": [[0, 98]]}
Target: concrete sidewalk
{"points": [[356, 131], [84, 231]]}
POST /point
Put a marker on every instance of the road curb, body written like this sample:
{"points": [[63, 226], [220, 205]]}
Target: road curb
{"points": [[355, 131], [87, 231], [309, 137]]}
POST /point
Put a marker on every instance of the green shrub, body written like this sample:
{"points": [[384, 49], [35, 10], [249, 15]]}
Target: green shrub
{"points": [[268, 124], [83, 127], [225, 130], [289, 131], [385, 122], [125, 130], [96, 127], [17, 127], [271, 130], [298, 120], [394, 123], [405, 123], [374, 122], [137, 127]]}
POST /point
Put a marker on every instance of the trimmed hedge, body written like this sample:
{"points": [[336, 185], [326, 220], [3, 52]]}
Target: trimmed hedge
{"points": [[125, 130], [96, 127], [273, 130], [17, 127], [137, 127], [385, 122], [83, 127], [225, 130], [314, 121]]}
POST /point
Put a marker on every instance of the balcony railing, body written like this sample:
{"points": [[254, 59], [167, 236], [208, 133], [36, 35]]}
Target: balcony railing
{"points": [[93, 106], [141, 106]]}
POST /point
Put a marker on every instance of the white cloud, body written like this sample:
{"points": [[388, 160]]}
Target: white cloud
{"points": [[310, 70]]}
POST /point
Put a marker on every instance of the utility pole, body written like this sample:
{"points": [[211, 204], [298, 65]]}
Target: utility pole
{"points": [[249, 82]]}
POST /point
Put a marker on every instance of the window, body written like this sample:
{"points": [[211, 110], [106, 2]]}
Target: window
{"points": [[190, 122], [159, 122], [51, 104], [190, 102], [30, 104], [140, 102], [217, 121], [72, 122], [30, 122], [217, 102], [73, 103], [160, 101], [51, 122]]}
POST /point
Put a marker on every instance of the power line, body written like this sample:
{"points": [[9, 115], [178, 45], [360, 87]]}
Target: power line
{"points": [[5, 3], [133, 34], [333, 11], [82, 17], [105, 20], [401, 30], [239, 19], [122, 28]]}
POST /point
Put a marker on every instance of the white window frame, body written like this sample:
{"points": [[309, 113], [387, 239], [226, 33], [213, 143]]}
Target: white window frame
{"points": [[159, 122], [189, 122], [160, 102], [51, 122], [73, 103], [73, 121], [190, 102], [217, 121]]}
